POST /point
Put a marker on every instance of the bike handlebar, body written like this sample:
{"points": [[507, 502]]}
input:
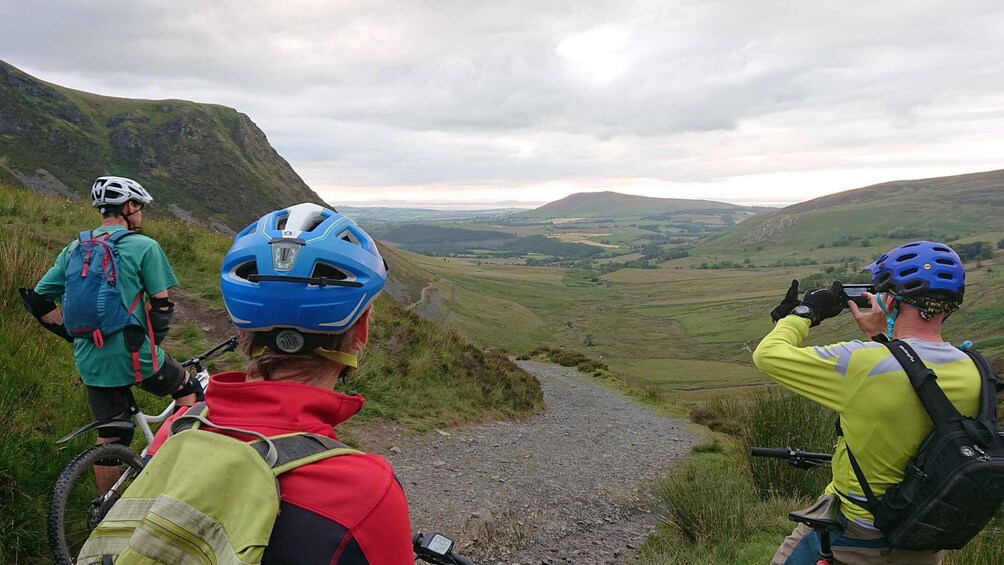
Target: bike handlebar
{"points": [[769, 452], [794, 457], [437, 549], [229, 345]]}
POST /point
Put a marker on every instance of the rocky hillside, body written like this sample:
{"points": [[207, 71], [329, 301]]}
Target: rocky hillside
{"points": [[202, 162]]}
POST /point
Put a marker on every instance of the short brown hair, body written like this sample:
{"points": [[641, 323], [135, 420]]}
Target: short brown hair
{"points": [[261, 367]]}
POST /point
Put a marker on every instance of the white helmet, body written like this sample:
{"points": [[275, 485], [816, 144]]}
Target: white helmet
{"points": [[115, 191]]}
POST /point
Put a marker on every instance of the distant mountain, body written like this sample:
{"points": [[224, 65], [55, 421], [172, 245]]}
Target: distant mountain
{"points": [[955, 207], [200, 161], [607, 204]]}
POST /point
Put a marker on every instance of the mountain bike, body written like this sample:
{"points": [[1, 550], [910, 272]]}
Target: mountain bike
{"points": [[77, 506], [823, 516]]}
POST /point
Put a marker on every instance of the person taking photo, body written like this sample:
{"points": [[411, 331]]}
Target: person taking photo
{"points": [[917, 286]]}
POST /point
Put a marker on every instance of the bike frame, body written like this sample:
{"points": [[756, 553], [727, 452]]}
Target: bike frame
{"points": [[137, 418]]}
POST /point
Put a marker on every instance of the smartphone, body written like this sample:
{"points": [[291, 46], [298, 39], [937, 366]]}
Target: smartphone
{"points": [[855, 293]]}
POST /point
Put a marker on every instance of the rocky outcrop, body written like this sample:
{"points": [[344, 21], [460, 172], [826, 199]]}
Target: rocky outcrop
{"points": [[208, 160], [773, 228], [43, 181]]}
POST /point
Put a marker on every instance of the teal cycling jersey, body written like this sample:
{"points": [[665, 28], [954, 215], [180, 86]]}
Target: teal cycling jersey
{"points": [[143, 269]]}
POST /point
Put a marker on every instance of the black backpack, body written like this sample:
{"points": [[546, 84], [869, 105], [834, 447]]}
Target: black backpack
{"points": [[955, 483]]}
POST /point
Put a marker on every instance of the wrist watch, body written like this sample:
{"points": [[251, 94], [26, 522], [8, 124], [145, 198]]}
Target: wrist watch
{"points": [[802, 311]]}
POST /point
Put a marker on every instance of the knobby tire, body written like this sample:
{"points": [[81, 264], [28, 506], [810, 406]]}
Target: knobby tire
{"points": [[64, 550]]}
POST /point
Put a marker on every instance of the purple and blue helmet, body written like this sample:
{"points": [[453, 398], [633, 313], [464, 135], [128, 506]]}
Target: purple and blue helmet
{"points": [[920, 269], [304, 267]]}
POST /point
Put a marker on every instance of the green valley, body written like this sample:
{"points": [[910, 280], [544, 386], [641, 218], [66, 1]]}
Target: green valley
{"points": [[687, 325]]}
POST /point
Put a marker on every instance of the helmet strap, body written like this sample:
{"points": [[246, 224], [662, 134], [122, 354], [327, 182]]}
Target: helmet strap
{"points": [[129, 223], [350, 361], [890, 316]]}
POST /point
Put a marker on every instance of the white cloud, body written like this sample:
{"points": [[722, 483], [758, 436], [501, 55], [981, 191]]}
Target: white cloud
{"points": [[532, 100]]}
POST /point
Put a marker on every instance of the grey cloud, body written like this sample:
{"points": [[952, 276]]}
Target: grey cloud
{"points": [[429, 92]]}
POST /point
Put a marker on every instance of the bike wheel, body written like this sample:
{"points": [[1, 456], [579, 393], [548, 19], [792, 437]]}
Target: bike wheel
{"points": [[77, 507]]}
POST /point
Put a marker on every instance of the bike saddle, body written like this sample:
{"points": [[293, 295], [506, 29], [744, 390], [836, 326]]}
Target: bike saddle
{"points": [[822, 515]]}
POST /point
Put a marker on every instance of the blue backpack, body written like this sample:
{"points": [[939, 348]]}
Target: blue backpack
{"points": [[92, 300]]}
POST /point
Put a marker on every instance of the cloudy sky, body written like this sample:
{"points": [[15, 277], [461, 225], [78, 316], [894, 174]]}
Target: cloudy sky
{"points": [[468, 102]]}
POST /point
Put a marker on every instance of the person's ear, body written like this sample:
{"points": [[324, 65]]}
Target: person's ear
{"points": [[360, 331]]}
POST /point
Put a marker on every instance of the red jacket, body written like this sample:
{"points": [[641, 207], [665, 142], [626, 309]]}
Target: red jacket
{"points": [[338, 511]]}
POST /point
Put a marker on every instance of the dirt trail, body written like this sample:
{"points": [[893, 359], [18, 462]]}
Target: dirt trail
{"points": [[569, 486]]}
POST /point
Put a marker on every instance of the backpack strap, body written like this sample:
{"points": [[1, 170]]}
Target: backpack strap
{"points": [[871, 501], [85, 235], [297, 450], [113, 239], [281, 453], [117, 235], [924, 381], [987, 416], [199, 408]]}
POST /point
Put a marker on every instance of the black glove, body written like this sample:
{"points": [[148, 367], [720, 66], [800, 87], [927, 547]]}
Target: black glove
{"points": [[161, 312], [789, 302], [824, 302], [39, 306]]}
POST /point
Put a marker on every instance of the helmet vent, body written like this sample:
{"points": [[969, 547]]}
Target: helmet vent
{"points": [[328, 272], [908, 272], [942, 249], [349, 237], [945, 276], [247, 269], [280, 224], [905, 257], [914, 284], [943, 261], [318, 220]]}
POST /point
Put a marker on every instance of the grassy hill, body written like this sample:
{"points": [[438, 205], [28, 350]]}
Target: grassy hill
{"points": [[962, 208], [200, 161], [413, 371], [615, 204]]}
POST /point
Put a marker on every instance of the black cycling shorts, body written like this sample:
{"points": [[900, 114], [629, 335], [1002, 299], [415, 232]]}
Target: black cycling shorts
{"points": [[111, 402]]}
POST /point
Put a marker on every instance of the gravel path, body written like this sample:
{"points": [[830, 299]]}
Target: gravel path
{"points": [[569, 486]]}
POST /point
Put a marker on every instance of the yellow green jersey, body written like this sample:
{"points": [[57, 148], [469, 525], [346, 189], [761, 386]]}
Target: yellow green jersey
{"points": [[881, 416]]}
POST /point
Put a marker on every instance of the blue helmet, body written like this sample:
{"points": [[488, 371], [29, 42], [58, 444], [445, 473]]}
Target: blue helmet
{"points": [[304, 267], [920, 269]]}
